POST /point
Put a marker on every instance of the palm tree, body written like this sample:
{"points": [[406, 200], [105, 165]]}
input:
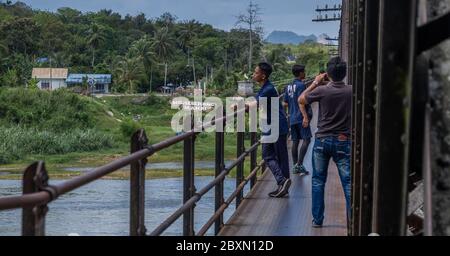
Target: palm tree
{"points": [[130, 72], [163, 44], [187, 34], [96, 39], [143, 49]]}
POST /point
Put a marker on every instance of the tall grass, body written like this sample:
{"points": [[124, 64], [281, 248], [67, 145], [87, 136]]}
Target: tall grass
{"points": [[58, 110], [15, 142]]}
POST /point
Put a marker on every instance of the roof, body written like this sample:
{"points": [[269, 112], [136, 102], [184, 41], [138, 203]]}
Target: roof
{"points": [[44, 73], [98, 78]]}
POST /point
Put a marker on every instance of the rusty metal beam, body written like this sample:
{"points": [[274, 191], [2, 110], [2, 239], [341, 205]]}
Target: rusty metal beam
{"points": [[395, 75]]}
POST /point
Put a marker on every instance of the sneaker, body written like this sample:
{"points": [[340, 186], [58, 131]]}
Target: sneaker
{"points": [[316, 225], [303, 170], [284, 188], [274, 193], [296, 169]]}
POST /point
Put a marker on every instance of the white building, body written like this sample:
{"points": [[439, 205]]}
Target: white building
{"points": [[50, 78], [56, 78]]}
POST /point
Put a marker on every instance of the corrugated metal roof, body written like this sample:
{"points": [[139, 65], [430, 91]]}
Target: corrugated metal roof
{"points": [[44, 73], [98, 78]]}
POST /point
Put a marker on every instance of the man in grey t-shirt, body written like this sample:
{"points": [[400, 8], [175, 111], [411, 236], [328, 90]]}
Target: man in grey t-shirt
{"points": [[333, 135]]}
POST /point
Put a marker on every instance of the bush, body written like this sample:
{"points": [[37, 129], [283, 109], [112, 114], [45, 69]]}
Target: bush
{"points": [[19, 141], [129, 127], [231, 92], [59, 110]]}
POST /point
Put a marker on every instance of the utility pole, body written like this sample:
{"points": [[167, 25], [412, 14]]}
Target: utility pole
{"points": [[51, 75], [332, 51], [193, 70], [165, 74], [325, 17]]}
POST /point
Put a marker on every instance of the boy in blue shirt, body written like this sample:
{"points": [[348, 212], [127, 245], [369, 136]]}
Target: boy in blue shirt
{"points": [[299, 119], [275, 153]]}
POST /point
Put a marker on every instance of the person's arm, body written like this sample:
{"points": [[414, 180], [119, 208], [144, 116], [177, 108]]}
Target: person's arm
{"points": [[317, 82], [305, 115], [302, 101]]}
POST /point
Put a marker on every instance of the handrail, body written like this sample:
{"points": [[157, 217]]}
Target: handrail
{"points": [[169, 221], [38, 193], [230, 199]]}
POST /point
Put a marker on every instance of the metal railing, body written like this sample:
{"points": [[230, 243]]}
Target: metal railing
{"points": [[38, 193]]}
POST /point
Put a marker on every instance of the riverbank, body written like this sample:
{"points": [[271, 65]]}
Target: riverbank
{"points": [[155, 171], [116, 117]]}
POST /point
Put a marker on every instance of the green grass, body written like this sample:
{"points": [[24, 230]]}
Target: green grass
{"points": [[155, 116]]}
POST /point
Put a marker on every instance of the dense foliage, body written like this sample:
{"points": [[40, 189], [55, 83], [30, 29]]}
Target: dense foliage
{"points": [[135, 49]]}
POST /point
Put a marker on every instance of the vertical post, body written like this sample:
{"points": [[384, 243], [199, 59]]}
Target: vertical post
{"points": [[351, 63], [188, 182], [35, 178], [368, 114], [137, 186], [253, 158], [358, 91], [395, 69], [240, 167], [220, 165]]}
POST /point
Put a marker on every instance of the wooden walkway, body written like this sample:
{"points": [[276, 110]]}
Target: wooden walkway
{"points": [[260, 215]]}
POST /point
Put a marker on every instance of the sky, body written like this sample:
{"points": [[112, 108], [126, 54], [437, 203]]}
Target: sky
{"points": [[285, 15]]}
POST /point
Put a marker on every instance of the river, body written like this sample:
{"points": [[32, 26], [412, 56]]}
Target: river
{"points": [[102, 207]]}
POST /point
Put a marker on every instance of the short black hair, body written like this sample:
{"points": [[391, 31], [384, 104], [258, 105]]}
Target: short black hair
{"points": [[266, 68], [337, 69], [297, 70]]}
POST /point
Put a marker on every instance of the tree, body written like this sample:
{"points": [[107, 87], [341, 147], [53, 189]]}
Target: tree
{"points": [[130, 72], [277, 57], [187, 35], [143, 49], [96, 39], [33, 84], [68, 15], [167, 20], [22, 35], [251, 19], [10, 79], [163, 44]]}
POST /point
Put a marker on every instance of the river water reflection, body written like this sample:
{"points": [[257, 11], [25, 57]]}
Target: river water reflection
{"points": [[102, 208]]}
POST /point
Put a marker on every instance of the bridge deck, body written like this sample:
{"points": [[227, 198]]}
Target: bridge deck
{"points": [[260, 215]]}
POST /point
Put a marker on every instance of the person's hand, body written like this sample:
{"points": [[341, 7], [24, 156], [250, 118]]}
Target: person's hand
{"points": [[305, 122], [320, 79]]}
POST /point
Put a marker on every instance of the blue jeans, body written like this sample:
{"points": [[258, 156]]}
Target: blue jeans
{"points": [[324, 149], [276, 157]]}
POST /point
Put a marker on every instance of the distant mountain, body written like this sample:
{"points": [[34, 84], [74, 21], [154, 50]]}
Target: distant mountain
{"points": [[288, 37], [322, 39]]}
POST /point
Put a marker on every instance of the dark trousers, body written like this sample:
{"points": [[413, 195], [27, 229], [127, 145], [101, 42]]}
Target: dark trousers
{"points": [[276, 157]]}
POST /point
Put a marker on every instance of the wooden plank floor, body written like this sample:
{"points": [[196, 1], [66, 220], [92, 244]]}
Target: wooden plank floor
{"points": [[260, 215]]}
